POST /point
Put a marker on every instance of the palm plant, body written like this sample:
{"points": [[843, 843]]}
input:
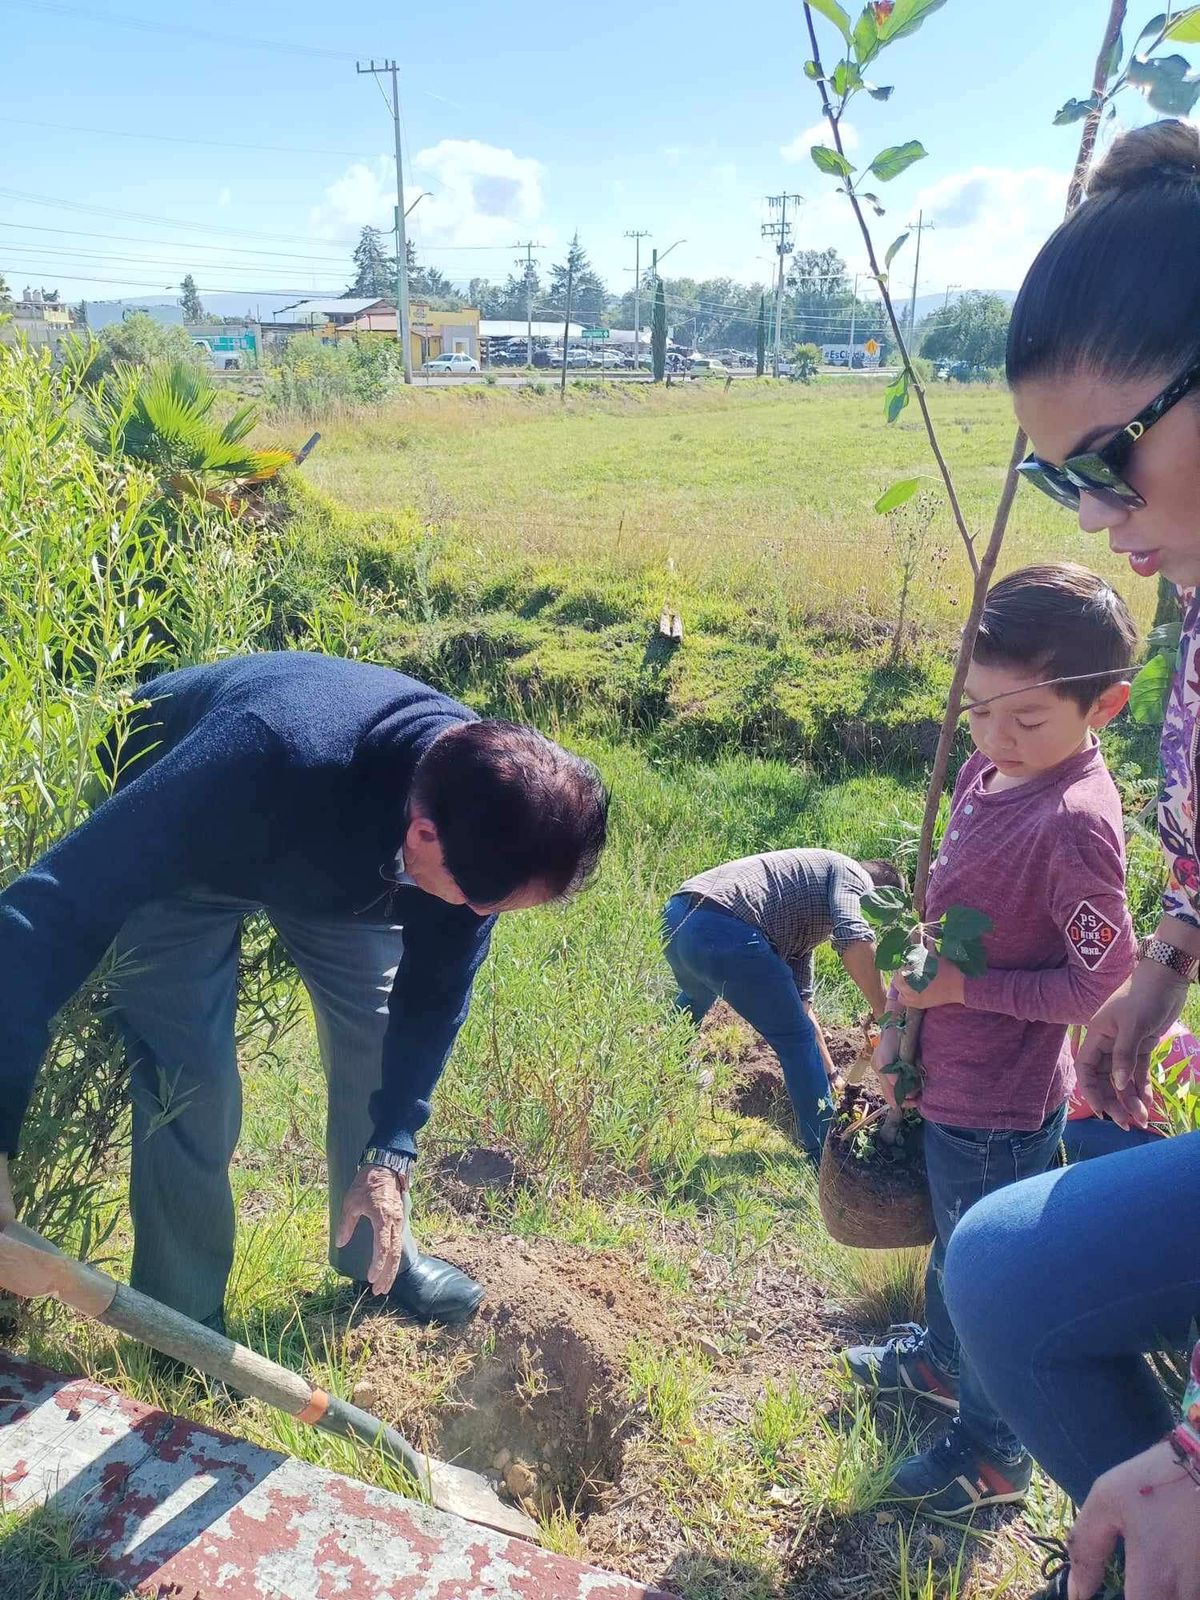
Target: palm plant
{"points": [[161, 418]]}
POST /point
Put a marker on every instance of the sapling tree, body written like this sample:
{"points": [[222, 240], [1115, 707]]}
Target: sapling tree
{"points": [[1168, 85]]}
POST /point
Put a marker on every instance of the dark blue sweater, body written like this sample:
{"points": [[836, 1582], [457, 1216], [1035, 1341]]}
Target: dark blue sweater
{"points": [[280, 778]]}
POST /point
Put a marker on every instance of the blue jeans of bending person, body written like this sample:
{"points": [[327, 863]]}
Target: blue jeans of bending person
{"points": [[715, 955], [175, 987], [964, 1165], [1060, 1287]]}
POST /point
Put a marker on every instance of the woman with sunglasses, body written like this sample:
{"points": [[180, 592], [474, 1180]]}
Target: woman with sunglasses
{"points": [[1059, 1285]]}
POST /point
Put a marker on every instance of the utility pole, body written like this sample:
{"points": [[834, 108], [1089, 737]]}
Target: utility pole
{"points": [[562, 387], [529, 247], [779, 231], [921, 225], [950, 287], [403, 329], [637, 236], [853, 313]]}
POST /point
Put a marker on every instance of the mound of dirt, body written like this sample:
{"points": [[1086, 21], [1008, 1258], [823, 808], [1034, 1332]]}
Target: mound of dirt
{"points": [[532, 1391], [760, 1089]]}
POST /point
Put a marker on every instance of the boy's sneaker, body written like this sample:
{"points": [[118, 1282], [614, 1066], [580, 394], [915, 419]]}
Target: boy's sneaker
{"points": [[900, 1365], [956, 1480]]}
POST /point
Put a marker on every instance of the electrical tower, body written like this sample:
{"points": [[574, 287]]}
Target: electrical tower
{"points": [[529, 246], [403, 327], [781, 232]]}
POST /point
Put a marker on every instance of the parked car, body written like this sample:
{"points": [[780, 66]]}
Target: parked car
{"points": [[707, 367], [455, 362]]}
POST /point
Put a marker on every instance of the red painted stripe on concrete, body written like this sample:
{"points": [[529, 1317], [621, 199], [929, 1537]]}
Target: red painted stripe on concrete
{"points": [[185, 1511]]}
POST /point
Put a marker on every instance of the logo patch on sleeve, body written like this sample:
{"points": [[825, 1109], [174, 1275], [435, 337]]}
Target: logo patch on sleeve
{"points": [[1091, 934]]}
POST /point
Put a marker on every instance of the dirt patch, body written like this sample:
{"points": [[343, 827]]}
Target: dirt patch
{"points": [[759, 1089], [470, 1180], [533, 1390]]}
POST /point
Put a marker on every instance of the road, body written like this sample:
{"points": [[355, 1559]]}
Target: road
{"points": [[547, 375]]}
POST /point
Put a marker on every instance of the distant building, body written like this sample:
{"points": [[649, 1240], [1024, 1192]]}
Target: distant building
{"points": [[40, 322], [432, 333], [101, 313], [323, 316]]}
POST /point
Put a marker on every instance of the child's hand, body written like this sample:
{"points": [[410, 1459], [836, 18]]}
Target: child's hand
{"points": [[947, 989]]}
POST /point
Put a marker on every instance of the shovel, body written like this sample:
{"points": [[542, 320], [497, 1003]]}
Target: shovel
{"points": [[30, 1266]]}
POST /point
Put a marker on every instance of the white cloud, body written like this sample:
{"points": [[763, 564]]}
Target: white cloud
{"points": [[225, 197], [478, 194], [988, 224], [819, 133]]}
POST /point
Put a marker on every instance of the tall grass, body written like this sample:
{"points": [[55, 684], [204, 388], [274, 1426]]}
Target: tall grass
{"points": [[95, 596]]}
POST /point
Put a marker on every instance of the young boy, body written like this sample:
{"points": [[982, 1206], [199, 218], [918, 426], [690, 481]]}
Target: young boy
{"points": [[1034, 840]]}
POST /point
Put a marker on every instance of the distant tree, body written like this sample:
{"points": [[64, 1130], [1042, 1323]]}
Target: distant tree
{"points": [[658, 333], [589, 297], [375, 274], [5, 291], [141, 342], [190, 302], [806, 362], [760, 340], [79, 314], [974, 330]]}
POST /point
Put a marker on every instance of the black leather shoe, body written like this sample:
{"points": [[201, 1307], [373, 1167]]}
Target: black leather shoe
{"points": [[431, 1290]]}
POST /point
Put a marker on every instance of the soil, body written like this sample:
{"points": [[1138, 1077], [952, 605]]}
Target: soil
{"points": [[532, 1391], [759, 1088]]}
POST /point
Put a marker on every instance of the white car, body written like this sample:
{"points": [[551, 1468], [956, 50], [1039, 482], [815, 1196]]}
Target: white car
{"points": [[451, 363], [707, 367]]}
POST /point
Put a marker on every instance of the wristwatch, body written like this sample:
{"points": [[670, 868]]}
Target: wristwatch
{"points": [[1170, 956], [394, 1160]]}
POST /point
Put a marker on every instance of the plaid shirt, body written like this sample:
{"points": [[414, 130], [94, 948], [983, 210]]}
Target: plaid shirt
{"points": [[797, 898]]}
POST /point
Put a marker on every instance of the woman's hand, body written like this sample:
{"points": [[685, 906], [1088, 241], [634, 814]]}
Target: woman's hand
{"points": [[1151, 1503], [946, 989], [1113, 1065]]}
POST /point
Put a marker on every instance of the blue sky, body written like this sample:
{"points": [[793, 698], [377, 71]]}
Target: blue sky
{"points": [[521, 120]]}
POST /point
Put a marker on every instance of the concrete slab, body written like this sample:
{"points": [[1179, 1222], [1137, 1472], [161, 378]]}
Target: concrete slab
{"points": [[181, 1512]]}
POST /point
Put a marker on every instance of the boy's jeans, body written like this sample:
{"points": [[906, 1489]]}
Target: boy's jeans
{"points": [[175, 988], [964, 1164], [714, 954]]}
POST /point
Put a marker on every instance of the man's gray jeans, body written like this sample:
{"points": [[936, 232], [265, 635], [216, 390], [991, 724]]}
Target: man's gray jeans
{"points": [[175, 989]]}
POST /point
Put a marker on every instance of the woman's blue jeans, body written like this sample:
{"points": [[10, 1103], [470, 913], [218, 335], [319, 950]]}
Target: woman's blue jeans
{"points": [[1060, 1286], [715, 955]]}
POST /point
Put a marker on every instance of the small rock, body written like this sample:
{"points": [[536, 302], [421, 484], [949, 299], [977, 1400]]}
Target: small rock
{"points": [[752, 1333], [501, 1459], [364, 1393], [520, 1479], [709, 1347]]}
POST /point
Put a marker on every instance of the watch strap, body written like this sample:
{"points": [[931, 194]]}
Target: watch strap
{"points": [[1170, 956], [393, 1160]]}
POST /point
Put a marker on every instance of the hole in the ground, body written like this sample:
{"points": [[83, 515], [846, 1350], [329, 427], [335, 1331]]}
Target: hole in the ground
{"points": [[534, 1390]]}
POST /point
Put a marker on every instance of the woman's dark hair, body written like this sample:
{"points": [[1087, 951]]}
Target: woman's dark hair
{"points": [[1058, 621], [511, 809], [1116, 289]]}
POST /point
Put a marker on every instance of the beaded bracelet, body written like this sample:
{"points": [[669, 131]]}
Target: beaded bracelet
{"points": [[1186, 1451]]}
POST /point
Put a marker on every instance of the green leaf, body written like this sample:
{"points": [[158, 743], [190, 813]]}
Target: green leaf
{"points": [[879, 91], [895, 396], [1076, 110], [846, 76], [830, 162], [892, 949], [894, 249], [920, 967], [970, 957], [896, 495], [964, 923], [812, 71], [1149, 690], [866, 37], [1166, 83], [906, 17], [1185, 27], [897, 158], [1152, 30], [832, 12], [1165, 636], [1114, 58], [886, 905]]}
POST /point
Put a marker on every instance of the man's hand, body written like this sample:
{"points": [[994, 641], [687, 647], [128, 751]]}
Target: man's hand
{"points": [[8, 1211], [1152, 1504], [382, 1197], [1113, 1065], [947, 988]]}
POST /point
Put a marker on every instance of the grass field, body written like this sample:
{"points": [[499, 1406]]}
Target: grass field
{"points": [[520, 552]]}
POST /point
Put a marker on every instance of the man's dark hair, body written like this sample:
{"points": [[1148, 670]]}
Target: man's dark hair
{"points": [[1058, 621], [883, 874], [511, 808]]}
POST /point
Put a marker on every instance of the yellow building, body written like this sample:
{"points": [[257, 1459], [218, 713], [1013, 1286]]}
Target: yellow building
{"points": [[432, 333]]}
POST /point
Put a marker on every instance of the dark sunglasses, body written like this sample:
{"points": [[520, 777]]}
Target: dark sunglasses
{"points": [[1098, 472]]}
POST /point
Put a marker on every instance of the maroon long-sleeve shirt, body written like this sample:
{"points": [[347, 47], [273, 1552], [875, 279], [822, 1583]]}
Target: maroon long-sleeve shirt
{"points": [[1046, 862]]}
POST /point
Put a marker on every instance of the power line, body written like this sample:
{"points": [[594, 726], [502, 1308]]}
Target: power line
{"points": [[173, 138], [180, 30]]}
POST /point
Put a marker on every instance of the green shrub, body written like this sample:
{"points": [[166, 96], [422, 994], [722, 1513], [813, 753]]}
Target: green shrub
{"points": [[313, 378], [139, 341]]}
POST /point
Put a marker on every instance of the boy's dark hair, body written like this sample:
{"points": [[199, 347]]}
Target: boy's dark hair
{"points": [[511, 808], [1059, 621], [1115, 289], [883, 874]]}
